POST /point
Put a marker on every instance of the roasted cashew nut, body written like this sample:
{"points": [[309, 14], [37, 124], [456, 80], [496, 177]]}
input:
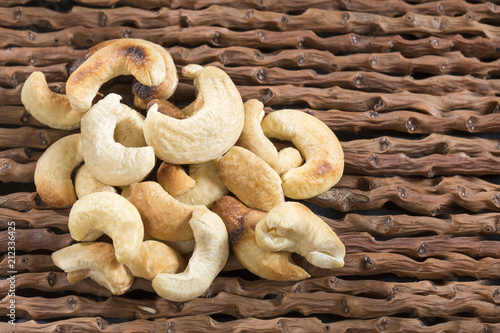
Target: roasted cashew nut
{"points": [[129, 128], [108, 213], [110, 161], [53, 171], [292, 227], [156, 257], [213, 128], [251, 179], [86, 183], [46, 106], [319, 146], [164, 217], [240, 222], [122, 57], [95, 260], [253, 138], [209, 258]]}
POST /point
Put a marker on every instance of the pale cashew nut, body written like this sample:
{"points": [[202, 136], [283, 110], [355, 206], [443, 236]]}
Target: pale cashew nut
{"points": [[95, 260], [53, 171], [209, 258], [319, 146], [108, 213], [253, 138], [46, 106], [251, 179], [156, 257], [203, 185], [129, 128], [110, 161], [122, 57], [86, 183], [240, 222], [164, 217], [292, 227], [213, 128]]}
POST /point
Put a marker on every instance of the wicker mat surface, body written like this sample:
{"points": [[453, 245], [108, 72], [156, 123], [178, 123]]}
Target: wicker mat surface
{"points": [[411, 89]]}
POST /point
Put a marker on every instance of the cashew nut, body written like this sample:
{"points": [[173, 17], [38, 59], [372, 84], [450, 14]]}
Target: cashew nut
{"points": [[292, 227], [108, 213], [213, 128], [319, 146], [164, 217], [46, 106], [129, 128], [122, 57], [154, 258], [95, 260], [209, 258], [53, 171], [202, 187], [253, 138], [240, 222], [253, 181], [86, 183], [109, 161]]}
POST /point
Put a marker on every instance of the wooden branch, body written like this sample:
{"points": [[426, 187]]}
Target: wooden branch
{"points": [[28, 137], [35, 219], [28, 240], [12, 171], [21, 155]]}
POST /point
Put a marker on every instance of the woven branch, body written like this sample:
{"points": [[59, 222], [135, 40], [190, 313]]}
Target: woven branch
{"points": [[35, 219], [12, 171], [29, 137], [29, 240], [22, 201], [317, 20]]}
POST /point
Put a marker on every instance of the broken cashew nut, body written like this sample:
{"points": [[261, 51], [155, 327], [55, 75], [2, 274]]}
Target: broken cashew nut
{"points": [[53, 171], [240, 222], [212, 129], [46, 106], [209, 258], [108, 213], [110, 161], [122, 57], [323, 154], [95, 260], [292, 227], [253, 138]]}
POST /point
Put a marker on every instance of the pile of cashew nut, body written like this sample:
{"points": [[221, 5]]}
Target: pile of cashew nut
{"points": [[176, 190]]}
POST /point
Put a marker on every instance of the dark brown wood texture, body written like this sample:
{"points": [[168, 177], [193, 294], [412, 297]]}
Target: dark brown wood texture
{"points": [[412, 90]]}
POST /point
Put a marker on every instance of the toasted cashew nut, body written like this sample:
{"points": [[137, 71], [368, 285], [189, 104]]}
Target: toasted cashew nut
{"points": [[202, 186], [124, 56], [129, 128], [154, 258], [213, 128], [292, 227], [209, 258], [86, 184], [53, 171], [253, 181], [252, 138], [111, 214], [240, 222], [319, 146], [109, 161], [95, 260], [46, 106], [164, 217]]}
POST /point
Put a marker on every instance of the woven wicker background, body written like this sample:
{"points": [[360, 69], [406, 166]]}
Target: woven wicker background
{"points": [[411, 88]]}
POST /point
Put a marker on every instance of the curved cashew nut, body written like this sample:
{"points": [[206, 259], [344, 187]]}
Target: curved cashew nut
{"points": [[164, 217], [253, 138], [209, 258], [254, 182], [46, 106], [95, 260], [129, 128], [292, 227], [86, 183], [240, 222], [122, 57], [203, 185], [53, 171], [210, 131], [109, 161], [154, 258], [111, 214], [318, 144]]}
